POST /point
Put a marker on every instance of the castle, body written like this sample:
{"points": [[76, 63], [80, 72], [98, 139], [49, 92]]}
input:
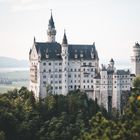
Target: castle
{"points": [[66, 67]]}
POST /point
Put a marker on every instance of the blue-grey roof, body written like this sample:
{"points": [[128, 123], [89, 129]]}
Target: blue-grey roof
{"points": [[53, 50], [122, 72], [88, 52], [51, 22], [137, 45]]}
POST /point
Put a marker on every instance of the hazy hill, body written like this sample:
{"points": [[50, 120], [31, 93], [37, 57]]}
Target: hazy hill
{"points": [[7, 62]]}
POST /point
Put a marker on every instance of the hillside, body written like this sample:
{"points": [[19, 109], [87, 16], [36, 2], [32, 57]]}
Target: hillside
{"points": [[7, 62]]}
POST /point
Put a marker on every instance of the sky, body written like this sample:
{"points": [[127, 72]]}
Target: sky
{"points": [[114, 25]]}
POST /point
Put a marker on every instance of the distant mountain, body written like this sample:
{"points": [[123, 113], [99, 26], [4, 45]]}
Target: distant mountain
{"points": [[7, 62]]}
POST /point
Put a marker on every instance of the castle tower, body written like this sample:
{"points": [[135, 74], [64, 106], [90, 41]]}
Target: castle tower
{"points": [[135, 59], [64, 54], [51, 32], [104, 87]]}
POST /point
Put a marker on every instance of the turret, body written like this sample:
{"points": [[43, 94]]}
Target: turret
{"points": [[51, 32], [64, 55], [135, 59]]}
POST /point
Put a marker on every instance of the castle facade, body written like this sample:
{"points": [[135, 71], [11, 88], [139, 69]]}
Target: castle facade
{"points": [[64, 67]]}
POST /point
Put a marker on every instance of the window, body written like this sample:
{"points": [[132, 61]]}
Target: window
{"points": [[78, 75], [91, 69], [59, 81], [87, 81], [60, 63], [44, 64], [55, 76], [78, 69], [56, 87], [49, 64], [84, 64], [91, 81], [44, 70], [44, 82], [51, 76], [69, 75], [92, 86], [60, 70], [49, 70], [75, 75], [51, 82], [60, 87], [83, 81], [75, 69], [85, 75], [71, 69], [84, 86], [60, 75], [44, 76]]}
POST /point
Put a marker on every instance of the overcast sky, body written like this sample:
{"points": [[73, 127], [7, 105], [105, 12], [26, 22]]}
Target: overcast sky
{"points": [[114, 25]]}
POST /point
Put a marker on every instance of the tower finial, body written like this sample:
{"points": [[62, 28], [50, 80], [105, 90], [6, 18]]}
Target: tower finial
{"points": [[51, 11]]}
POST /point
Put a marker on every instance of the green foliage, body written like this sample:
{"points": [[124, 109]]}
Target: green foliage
{"points": [[2, 135], [57, 117], [70, 117]]}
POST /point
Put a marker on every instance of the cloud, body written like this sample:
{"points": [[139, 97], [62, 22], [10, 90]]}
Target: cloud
{"points": [[25, 5], [28, 7]]}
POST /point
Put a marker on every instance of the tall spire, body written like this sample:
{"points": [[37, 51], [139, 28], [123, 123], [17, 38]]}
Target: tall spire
{"points": [[51, 32], [51, 22], [64, 41]]}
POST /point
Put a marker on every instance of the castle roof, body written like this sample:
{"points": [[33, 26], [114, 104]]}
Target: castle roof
{"points": [[51, 22], [122, 72], [137, 45], [53, 50]]}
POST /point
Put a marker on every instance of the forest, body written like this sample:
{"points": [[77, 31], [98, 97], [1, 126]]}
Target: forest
{"points": [[70, 117]]}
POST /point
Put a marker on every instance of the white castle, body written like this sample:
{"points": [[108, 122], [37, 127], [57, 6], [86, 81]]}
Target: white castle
{"points": [[66, 67]]}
